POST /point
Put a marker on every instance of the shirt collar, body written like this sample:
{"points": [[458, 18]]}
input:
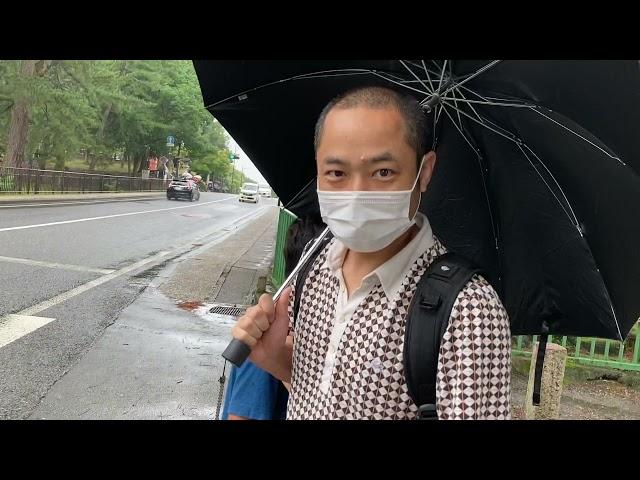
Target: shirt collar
{"points": [[391, 273]]}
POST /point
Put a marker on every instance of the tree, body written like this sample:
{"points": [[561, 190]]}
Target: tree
{"points": [[52, 110], [64, 114], [17, 139]]}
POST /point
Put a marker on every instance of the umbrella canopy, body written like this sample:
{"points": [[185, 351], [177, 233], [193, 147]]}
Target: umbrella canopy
{"points": [[536, 179]]}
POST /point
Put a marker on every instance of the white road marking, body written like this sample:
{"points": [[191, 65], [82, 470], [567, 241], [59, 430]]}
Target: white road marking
{"points": [[60, 266], [89, 285], [14, 327], [23, 227]]}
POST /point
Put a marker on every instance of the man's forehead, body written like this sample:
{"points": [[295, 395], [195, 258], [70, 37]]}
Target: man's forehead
{"points": [[371, 126], [378, 130], [388, 113]]}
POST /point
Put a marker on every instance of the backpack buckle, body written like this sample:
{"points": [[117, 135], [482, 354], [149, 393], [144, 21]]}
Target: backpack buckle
{"points": [[430, 300], [427, 412]]}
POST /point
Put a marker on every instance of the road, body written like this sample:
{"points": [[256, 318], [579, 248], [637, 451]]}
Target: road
{"points": [[67, 271]]}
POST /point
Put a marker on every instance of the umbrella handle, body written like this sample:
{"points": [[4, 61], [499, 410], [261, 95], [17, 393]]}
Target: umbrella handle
{"points": [[237, 351]]}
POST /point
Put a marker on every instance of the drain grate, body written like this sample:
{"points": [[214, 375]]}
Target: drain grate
{"points": [[230, 310]]}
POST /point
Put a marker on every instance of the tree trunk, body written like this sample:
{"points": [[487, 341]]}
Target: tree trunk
{"points": [[17, 140], [137, 164], [59, 164], [105, 117], [93, 160]]}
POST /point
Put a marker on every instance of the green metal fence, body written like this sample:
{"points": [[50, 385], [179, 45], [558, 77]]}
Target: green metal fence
{"points": [[592, 351], [285, 220]]}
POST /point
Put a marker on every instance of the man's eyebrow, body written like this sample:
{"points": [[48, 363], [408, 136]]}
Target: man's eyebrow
{"points": [[383, 157], [334, 161]]}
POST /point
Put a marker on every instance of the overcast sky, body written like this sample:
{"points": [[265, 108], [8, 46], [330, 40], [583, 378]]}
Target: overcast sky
{"points": [[245, 162]]}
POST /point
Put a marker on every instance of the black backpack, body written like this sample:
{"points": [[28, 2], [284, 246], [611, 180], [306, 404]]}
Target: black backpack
{"points": [[426, 323]]}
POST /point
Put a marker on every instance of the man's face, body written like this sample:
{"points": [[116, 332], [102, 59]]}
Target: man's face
{"points": [[365, 148]]}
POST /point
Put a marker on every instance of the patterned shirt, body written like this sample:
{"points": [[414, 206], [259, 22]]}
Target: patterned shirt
{"points": [[348, 353]]}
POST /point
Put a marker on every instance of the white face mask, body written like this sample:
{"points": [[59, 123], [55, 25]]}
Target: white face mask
{"points": [[367, 221]]}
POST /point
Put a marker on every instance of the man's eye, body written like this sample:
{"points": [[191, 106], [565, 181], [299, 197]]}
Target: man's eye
{"points": [[335, 173], [384, 172]]}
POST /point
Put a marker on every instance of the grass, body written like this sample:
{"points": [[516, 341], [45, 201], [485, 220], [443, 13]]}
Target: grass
{"points": [[113, 168], [579, 373]]}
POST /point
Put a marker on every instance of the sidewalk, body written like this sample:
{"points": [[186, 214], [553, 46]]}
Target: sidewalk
{"points": [[227, 272], [39, 198], [160, 361]]}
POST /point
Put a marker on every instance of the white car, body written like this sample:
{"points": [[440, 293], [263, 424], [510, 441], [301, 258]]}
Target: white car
{"points": [[264, 190], [249, 193]]}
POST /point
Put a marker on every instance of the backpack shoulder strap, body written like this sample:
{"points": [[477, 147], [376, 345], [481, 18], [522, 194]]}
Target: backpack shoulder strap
{"points": [[426, 323]]}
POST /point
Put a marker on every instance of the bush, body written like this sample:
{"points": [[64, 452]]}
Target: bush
{"points": [[7, 184]]}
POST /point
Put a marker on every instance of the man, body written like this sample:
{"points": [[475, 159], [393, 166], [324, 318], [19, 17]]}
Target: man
{"points": [[344, 359]]}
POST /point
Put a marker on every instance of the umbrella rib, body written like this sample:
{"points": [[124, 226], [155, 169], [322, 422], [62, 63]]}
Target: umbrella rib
{"points": [[578, 135], [615, 318], [424, 65], [418, 81], [328, 75], [613, 312], [456, 104], [574, 220], [482, 172], [508, 137], [559, 187], [300, 192], [435, 124], [396, 77], [496, 104], [472, 76], [399, 83], [439, 109], [434, 72], [444, 67], [418, 78], [475, 150], [474, 92], [464, 99], [519, 143], [319, 74]]}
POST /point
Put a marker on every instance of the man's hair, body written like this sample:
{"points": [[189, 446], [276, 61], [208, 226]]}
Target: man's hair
{"points": [[301, 232], [418, 125]]}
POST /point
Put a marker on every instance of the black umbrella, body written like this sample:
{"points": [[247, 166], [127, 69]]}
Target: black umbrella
{"points": [[536, 179]]}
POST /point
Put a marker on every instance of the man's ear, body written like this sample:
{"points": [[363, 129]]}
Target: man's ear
{"points": [[428, 164]]}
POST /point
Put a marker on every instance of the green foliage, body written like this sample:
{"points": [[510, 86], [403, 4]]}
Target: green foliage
{"points": [[101, 109]]}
